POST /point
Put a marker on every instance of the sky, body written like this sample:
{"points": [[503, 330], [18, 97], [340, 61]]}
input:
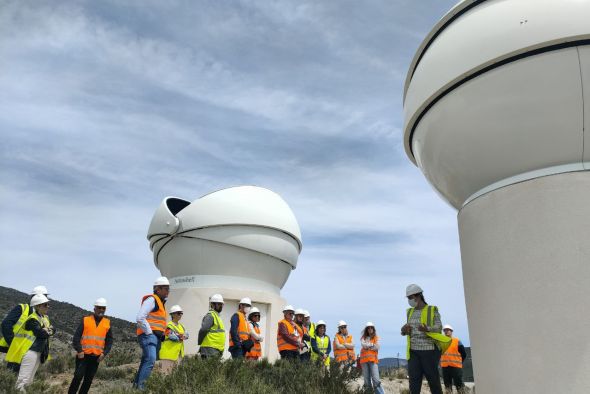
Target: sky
{"points": [[107, 107]]}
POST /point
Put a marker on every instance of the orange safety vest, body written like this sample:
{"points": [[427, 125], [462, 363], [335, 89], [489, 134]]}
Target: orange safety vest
{"points": [[243, 331], [256, 352], [93, 336], [342, 355], [281, 343], [452, 357], [157, 319], [370, 356]]}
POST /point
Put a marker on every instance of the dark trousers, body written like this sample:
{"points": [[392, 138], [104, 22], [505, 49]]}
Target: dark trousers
{"points": [[289, 354], [85, 370], [453, 375], [306, 357], [14, 367], [424, 363], [236, 352]]}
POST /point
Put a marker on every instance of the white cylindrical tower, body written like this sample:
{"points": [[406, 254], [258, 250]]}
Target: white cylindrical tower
{"points": [[239, 242], [496, 102]]}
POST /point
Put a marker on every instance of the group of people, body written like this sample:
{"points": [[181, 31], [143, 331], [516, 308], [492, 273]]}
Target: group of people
{"points": [[26, 331]]}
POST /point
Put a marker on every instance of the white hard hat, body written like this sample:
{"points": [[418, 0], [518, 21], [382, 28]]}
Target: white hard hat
{"points": [[341, 323], [369, 324], [162, 281], [320, 323], [299, 311], [246, 301], [100, 302], [216, 298], [448, 327], [39, 290], [288, 308], [413, 289], [254, 310], [38, 299], [175, 308], [305, 313]]}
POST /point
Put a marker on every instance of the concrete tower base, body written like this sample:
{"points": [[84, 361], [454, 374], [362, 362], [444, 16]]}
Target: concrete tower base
{"points": [[526, 266], [195, 302]]}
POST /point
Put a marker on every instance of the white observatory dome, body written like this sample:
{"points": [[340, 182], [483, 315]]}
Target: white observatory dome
{"points": [[495, 95], [246, 233]]}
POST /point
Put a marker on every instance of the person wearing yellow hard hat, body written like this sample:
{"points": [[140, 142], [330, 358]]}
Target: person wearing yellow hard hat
{"points": [[172, 350], [93, 341], [424, 339], [30, 346], [13, 321]]}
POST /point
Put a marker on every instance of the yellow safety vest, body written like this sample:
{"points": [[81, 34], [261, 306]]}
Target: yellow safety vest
{"points": [[215, 338], [24, 339], [323, 347], [171, 350], [21, 320], [441, 341]]}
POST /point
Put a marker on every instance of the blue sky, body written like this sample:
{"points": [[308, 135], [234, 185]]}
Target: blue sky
{"points": [[107, 107]]}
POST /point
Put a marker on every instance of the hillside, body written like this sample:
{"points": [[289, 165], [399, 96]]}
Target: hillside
{"points": [[65, 316]]}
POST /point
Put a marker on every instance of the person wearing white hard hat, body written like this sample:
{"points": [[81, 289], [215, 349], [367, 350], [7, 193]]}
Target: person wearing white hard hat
{"points": [[308, 323], [423, 330], [151, 326], [239, 332], [305, 351], [92, 341], [255, 336], [30, 346], [289, 335], [320, 345], [343, 345], [369, 358], [451, 362], [15, 318], [172, 350], [211, 338]]}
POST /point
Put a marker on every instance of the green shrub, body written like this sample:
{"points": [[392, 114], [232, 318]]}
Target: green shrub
{"points": [[59, 364], [112, 373], [8, 382], [122, 355], [240, 377]]}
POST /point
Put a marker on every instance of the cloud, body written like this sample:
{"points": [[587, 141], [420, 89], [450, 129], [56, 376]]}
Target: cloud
{"points": [[107, 107]]}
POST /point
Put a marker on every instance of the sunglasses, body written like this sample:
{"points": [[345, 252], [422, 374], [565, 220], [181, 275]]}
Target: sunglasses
{"points": [[178, 313]]}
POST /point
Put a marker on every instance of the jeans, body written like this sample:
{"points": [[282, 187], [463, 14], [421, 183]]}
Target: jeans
{"points": [[150, 347], [371, 372], [85, 370], [424, 363]]}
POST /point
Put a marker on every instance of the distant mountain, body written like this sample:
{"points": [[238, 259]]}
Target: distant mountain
{"points": [[65, 317], [392, 362]]}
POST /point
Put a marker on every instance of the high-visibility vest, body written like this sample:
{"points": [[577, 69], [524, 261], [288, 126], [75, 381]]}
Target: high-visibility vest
{"points": [[342, 355], [452, 357], [215, 338], [243, 329], [256, 352], [93, 336], [172, 350], [370, 356], [24, 314], [427, 317], [322, 343], [157, 319], [292, 328], [24, 339], [312, 330]]}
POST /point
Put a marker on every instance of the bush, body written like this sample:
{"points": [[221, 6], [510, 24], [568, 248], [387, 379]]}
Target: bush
{"points": [[242, 377], [8, 382], [112, 373], [59, 364], [122, 355]]}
